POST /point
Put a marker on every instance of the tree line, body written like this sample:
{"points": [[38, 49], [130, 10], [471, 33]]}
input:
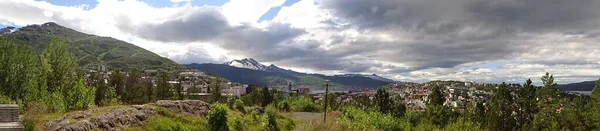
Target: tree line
{"points": [[54, 80]]}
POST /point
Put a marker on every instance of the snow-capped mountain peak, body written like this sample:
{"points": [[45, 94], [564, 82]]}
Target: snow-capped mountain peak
{"points": [[247, 63]]}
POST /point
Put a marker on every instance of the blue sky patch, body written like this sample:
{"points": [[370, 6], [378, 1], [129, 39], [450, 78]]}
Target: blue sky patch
{"points": [[153, 3], [275, 10]]}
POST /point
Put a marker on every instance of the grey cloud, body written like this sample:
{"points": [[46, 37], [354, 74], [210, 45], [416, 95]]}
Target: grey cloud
{"points": [[203, 24], [450, 33]]}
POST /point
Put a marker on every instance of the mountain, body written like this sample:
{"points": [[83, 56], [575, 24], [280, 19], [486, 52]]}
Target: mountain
{"points": [[373, 76], [580, 86], [89, 49], [249, 71]]}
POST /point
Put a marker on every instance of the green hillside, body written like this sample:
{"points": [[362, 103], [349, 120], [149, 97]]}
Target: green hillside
{"points": [[91, 49]]}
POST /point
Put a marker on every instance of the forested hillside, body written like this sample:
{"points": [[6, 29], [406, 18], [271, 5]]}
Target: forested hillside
{"points": [[90, 49]]}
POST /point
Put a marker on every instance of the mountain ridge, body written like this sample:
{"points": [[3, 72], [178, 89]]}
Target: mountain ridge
{"points": [[249, 71], [89, 49]]}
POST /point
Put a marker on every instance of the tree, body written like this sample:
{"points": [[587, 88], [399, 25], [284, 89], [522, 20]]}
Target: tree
{"points": [[436, 97], [19, 72], [595, 103], [526, 102], [216, 89], [267, 96], [163, 87], [500, 114], [135, 91], [179, 89], [384, 101], [117, 81], [97, 80], [63, 75], [548, 95]]}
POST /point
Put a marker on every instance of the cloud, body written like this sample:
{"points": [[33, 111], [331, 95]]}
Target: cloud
{"points": [[199, 24], [403, 39]]}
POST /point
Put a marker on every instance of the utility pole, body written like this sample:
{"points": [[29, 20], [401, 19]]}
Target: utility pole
{"points": [[325, 100]]}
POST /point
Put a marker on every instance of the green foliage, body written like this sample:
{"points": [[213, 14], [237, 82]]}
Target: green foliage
{"points": [[169, 121], [462, 124], [299, 103], [215, 89], [267, 96], [271, 113], [117, 80], [136, 89], [252, 98], [179, 89], [110, 98], [6, 100], [501, 109], [19, 71], [358, 119], [384, 102], [217, 118], [90, 49], [436, 97], [163, 91]]}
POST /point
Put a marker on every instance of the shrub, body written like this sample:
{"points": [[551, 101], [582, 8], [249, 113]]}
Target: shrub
{"points": [[170, 121], [299, 103], [217, 118], [355, 118], [271, 119], [6, 100]]}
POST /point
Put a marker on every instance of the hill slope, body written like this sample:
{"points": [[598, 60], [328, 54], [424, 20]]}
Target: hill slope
{"points": [[581, 86], [91, 49]]}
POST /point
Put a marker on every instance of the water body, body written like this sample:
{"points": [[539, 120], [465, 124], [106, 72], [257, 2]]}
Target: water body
{"points": [[582, 92]]}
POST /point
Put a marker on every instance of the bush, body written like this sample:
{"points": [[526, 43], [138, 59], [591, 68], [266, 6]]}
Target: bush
{"points": [[355, 118], [299, 103], [170, 121], [6, 100], [217, 118], [271, 119]]}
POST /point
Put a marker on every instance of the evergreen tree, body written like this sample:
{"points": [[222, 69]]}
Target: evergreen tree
{"points": [[117, 81], [179, 89], [547, 117], [526, 102], [97, 80], [216, 86], [163, 88], [150, 90], [384, 101], [595, 104], [267, 96], [135, 91], [500, 114], [436, 97]]}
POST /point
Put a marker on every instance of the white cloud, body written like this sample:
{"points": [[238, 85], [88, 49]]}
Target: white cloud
{"points": [[247, 11], [395, 52]]}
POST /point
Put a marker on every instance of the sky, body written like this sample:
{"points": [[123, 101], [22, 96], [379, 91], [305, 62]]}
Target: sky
{"points": [[489, 41]]}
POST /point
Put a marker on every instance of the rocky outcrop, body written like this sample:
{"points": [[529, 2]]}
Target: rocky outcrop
{"points": [[188, 107], [121, 117]]}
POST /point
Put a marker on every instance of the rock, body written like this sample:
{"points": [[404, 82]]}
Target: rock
{"points": [[122, 117], [190, 107]]}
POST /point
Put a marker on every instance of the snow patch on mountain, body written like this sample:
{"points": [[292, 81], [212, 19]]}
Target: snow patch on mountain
{"points": [[247, 63], [252, 64]]}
